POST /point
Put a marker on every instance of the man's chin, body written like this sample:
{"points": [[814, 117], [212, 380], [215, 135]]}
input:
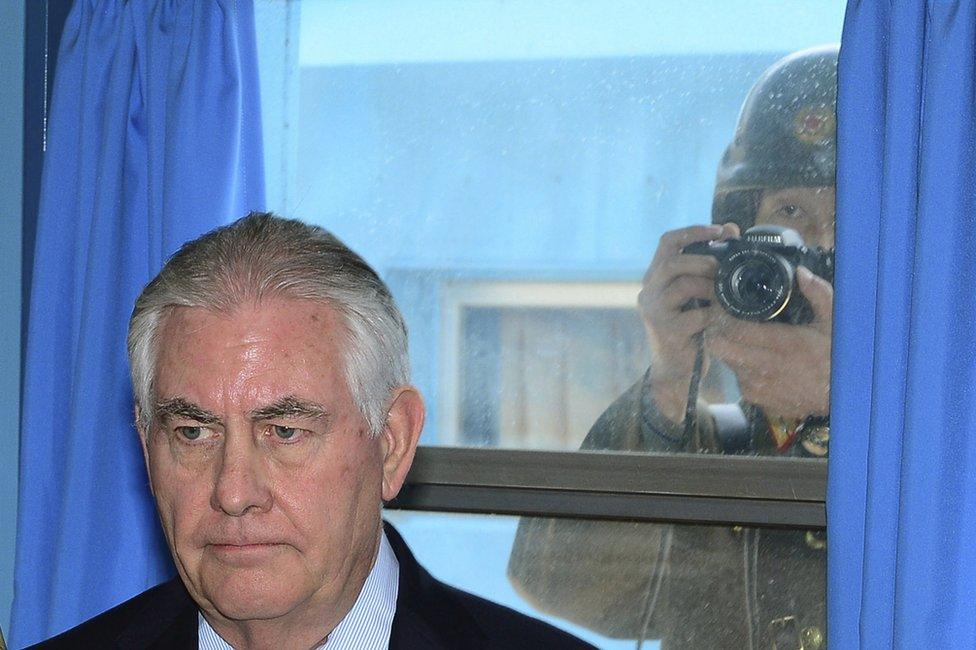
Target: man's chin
{"points": [[256, 592], [252, 604]]}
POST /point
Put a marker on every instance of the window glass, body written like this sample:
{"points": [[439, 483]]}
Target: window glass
{"points": [[510, 168], [626, 585]]}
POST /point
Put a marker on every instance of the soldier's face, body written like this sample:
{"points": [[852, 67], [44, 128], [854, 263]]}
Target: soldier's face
{"points": [[807, 210]]}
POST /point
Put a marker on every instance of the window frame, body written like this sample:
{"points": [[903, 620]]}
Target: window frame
{"points": [[679, 488]]}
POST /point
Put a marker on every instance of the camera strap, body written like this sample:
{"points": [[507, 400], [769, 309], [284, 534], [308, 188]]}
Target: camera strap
{"points": [[691, 406], [732, 429]]}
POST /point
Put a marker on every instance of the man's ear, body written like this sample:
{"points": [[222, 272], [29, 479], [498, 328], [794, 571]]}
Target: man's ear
{"points": [[401, 433]]}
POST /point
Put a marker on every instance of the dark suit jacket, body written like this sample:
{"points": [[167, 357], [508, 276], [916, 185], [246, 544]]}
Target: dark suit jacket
{"points": [[429, 614]]}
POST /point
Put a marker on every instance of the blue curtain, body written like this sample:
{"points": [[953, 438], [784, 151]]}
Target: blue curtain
{"points": [[154, 138], [901, 506]]}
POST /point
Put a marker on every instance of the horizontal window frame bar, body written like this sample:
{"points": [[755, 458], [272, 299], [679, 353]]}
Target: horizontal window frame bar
{"points": [[695, 475], [680, 488], [605, 505]]}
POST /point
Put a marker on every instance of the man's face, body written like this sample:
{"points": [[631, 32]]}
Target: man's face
{"points": [[267, 483], [807, 210]]}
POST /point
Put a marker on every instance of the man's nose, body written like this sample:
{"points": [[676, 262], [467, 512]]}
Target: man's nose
{"points": [[241, 484]]}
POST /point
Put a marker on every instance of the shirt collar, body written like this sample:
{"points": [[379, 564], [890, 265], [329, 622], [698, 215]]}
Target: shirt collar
{"points": [[366, 626]]}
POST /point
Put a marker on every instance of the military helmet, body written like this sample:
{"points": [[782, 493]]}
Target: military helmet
{"points": [[786, 135]]}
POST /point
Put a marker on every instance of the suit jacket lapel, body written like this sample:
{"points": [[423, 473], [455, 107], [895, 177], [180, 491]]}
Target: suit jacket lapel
{"points": [[427, 615], [169, 621]]}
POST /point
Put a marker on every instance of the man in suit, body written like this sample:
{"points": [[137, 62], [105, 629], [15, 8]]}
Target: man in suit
{"points": [[270, 372]]}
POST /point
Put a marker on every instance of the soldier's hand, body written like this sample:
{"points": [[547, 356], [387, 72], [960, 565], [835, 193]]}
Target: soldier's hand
{"points": [[672, 280], [783, 368]]}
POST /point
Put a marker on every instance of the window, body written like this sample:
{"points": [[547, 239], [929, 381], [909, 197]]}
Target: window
{"points": [[530, 365], [510, 168]]}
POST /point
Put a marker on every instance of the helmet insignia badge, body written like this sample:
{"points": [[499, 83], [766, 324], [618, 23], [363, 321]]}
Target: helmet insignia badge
{"points": [[814, 124]]}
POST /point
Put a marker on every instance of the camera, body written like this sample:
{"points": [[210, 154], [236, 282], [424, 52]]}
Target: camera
{"points": [[756, 277]]}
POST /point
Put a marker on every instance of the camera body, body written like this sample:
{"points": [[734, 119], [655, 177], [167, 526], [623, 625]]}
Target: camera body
{"points": [[756, 277]]}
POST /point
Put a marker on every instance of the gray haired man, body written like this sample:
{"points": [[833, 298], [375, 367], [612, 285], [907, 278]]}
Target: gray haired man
{"points": [[271, 378]]}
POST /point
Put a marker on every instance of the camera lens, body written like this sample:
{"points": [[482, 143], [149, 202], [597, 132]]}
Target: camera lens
{"points": [[754, 284]]}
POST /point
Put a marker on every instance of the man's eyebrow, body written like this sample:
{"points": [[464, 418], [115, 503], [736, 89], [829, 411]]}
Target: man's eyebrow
{"points": [[179, 407], [290, 407]]}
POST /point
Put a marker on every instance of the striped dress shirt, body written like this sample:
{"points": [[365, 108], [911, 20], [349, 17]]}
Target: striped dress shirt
{"points": [[365, 627]]}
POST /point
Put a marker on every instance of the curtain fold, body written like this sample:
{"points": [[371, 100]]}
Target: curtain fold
{"points": [[901, 498], [153, 139]]}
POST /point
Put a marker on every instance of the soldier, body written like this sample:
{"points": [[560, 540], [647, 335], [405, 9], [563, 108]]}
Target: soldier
{"points": [[710, 586]]}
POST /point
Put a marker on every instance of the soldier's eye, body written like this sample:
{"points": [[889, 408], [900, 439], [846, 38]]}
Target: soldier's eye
{"points": [[791, 211]]}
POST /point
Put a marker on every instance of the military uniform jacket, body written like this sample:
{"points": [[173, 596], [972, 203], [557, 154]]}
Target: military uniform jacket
{"points": [[693, 587]]}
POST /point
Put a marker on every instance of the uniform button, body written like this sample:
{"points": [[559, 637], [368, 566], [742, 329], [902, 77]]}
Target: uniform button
{"points": [[811, 638], [736, 532]]}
